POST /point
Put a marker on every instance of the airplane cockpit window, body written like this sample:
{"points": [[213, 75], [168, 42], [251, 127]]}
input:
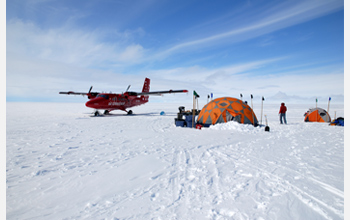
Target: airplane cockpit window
{"points": [[103, 96]]}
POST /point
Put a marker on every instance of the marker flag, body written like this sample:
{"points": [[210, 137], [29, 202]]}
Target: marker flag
{"points": [[329, 99], [195, 94], [211, 95], [263, 98]]}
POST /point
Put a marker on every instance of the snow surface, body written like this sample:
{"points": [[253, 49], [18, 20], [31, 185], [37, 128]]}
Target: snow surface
{"points": [[64, 164]]}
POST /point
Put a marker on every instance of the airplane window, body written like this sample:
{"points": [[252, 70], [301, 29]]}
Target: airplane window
{"points": [[103, 96]]}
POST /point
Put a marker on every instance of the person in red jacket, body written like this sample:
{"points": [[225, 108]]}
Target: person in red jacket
{"points": [[283, 110]]}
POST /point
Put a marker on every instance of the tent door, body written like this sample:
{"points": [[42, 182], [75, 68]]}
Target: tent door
{"points": [[232, 116]]}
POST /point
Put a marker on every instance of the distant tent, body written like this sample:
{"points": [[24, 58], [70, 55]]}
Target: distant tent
{"points": [[317, 115], [226, 109]]}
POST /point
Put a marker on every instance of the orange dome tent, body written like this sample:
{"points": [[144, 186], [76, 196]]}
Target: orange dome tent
{"points": [[317, 115], [226, 109]]}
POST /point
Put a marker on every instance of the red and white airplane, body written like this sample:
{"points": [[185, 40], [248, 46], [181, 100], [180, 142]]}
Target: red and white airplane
{"points": [[123, 101]]}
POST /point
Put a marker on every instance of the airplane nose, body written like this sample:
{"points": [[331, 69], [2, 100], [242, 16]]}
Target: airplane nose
{"points": [[93, 103]]}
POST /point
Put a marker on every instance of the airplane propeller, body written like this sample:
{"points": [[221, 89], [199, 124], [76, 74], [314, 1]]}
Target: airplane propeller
{"points": [[128, 88]]}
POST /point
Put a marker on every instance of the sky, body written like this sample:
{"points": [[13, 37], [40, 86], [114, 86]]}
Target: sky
{"points": [[282, 50]]}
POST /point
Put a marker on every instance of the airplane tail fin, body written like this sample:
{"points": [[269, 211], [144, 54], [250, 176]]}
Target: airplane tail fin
{"points": [[146, 85]]}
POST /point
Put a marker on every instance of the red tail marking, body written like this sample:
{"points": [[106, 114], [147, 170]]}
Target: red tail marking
{"points": [[146, 85]]}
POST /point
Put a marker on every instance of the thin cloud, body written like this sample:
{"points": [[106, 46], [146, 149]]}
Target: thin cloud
{"points": [[243, 78], [201, 74], [70, 46], [278, 17]]}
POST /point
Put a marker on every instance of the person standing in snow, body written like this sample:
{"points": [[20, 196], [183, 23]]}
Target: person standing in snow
{"points": [[282, 113]]}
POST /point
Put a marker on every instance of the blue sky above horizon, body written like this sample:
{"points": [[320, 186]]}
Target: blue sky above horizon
{"points": [[225, 47]]}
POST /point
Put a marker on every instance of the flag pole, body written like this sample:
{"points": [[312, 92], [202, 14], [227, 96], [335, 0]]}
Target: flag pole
{"points": [[195, 96], [267, 128], [251, 100], [316, 111], [194, 105], [329, 100], [262, 102]]}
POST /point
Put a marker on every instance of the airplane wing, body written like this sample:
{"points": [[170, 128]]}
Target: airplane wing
{"points": [[88, 94], [73, 93], [162, 92]]}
